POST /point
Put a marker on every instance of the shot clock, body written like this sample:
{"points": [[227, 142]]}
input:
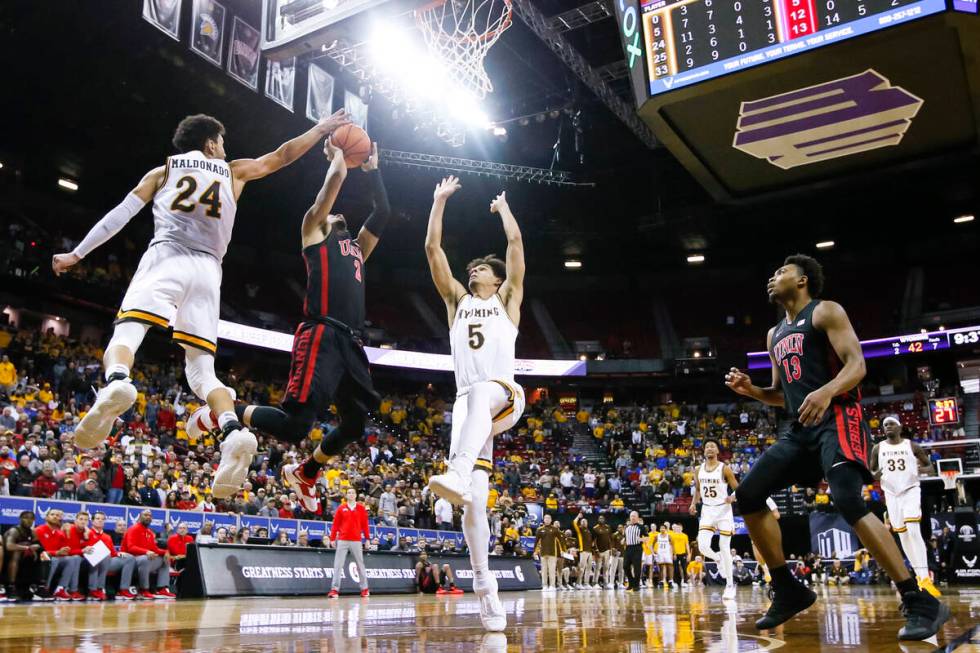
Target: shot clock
{"points": [[944, 411]]}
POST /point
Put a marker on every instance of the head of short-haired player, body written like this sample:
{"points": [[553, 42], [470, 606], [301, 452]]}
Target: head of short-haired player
{"points": [[201, 132], [798, 274], [485, 274], [711, 450], [892, 428]]}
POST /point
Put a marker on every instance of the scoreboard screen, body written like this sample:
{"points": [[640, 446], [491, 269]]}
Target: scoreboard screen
{"points": [[690, 41], [944, 411]]}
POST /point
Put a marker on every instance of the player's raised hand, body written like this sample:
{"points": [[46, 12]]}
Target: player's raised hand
{"points": [[372, 162], [328, 124], [334, 153], [499, 203], [738, 381], [446, 188], [60, 263]]}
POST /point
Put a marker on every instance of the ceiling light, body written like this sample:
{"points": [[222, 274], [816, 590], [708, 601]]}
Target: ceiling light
{"points": [[963, 219], [572, 264], [695, 258], [1, 165], [68, 184], [499, 131], [825, 244]]}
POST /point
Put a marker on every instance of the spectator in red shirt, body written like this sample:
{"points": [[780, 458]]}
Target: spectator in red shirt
{"points": [[350, 525], [151, 560], [45, 485], [186, 501], [177, 546], [122, 563], [64, 566]]}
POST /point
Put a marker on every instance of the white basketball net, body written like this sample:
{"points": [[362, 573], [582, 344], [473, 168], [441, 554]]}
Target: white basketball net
{"points": [[461, 32]]}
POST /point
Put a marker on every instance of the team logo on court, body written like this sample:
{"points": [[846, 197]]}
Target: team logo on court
{"points": [[827, 121]]}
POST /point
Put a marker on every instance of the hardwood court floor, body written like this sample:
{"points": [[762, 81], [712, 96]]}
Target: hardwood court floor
{"points": [[848, 619]]}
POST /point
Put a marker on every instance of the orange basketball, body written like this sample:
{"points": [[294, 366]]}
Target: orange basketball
{"points": [[355, 143]]}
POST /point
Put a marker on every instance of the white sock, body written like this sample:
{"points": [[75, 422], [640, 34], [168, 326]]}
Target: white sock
{"points": [[915, 549], [118, 368], [725, 553], [476, 527], [704, 545], [226, 417]]}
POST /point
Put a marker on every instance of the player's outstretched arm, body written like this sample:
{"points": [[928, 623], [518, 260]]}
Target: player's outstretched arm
{"points": [[316, 215], [873, 462], [832, 320], [246, 170], [740, 382], [374, 226], [113, 221], [512, 292], [442, 276]]}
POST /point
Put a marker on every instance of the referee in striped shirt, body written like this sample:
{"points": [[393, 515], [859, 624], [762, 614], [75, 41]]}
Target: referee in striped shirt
{"points": [[633, 556]]}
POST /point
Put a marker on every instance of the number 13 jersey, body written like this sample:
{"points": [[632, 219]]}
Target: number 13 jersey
{"points": [[482, 339], [195, 206]]}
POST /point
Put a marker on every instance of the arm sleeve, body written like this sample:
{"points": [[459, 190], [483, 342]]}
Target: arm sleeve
{"points": [[110, 225], [378, 220]]}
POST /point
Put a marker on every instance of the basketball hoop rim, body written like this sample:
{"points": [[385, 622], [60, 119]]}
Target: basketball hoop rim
{"points": [[489, 35], [949, 478]]}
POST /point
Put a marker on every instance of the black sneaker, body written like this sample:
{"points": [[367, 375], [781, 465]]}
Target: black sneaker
{"points": [[924, 616], [42, 594], [786, 603]]}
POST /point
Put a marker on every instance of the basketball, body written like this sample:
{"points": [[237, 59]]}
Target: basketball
{"points": [[355, 143]]}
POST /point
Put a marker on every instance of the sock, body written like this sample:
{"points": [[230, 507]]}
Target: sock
{"points": [[476, 528], [228, 422], [915, 550], [781, 577], [725, 553], [704, 545], [908, 585], [117, 372]]}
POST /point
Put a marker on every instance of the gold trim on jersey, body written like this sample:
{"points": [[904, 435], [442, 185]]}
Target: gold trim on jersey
{"points": [[511, 393], [166, 172], [899, 530], [725, 533], [194, 341], [146, 317], [484, 464]]}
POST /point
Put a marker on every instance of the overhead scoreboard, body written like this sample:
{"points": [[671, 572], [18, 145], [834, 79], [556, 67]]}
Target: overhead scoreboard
{"points": [[690, 41], [915, 343]]}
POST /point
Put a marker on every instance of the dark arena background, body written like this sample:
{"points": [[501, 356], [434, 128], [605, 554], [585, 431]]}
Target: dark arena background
{"points": [[662, 159]]}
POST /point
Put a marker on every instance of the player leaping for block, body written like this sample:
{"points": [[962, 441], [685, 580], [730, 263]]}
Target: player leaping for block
{"points": [[178, 282], [899, 462], [328, 361], [483, 325]]}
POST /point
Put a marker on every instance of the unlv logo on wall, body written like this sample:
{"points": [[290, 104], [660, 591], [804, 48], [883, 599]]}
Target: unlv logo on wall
{"points": [[826, 121]]}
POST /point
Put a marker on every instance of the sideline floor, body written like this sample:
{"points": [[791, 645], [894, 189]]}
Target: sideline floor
{"points": [[853, 619]]}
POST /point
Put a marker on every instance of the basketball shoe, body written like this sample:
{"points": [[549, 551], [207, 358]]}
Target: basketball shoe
{"points": [[491, 609], [452, 486], [292, 476], [112, 401], [237, 450]]}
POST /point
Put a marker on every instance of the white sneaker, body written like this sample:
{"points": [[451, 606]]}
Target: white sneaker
{"points": [[729, 593], [237, 451], [292, 476], [491, 610], [494, 643], [452, 487], [112, 401], [610, 586], [201, 422]]}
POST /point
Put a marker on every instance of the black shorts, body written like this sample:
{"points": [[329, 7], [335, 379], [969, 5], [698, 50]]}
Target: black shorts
{"points": [[804, 455], [427, 583], [328, 365]]}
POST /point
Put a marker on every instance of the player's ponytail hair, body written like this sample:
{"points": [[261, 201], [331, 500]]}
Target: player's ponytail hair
{"points": [[811, 269], [499, 267], [194, 131]]}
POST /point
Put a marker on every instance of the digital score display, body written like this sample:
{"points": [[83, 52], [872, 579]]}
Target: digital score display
{"points": [[944, 411], [690, 41], [915, 343]]}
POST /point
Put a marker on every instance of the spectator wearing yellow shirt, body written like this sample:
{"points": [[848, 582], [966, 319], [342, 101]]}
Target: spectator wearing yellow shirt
{"points": [[617, 504], [582, 416], [695, 572], [551, 503], [682, 552], [44, 395], [8, 375]]}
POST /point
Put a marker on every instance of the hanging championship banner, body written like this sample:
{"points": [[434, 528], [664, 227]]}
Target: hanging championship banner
{"points": [[164, 15], [356, 109], [319, 93], [243, 58], [208, 30], [280, 81]]}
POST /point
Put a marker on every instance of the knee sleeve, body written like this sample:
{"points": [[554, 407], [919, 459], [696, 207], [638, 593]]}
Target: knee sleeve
{"points": [[129, 335], [845, 488], [199, 369]]}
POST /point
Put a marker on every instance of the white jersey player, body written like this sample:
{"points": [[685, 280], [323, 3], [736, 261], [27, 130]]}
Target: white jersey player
{"points": [[898, 462], [178, 281], [712, 481], [483, 321]]}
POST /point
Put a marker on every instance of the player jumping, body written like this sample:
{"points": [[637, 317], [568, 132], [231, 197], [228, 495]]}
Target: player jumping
{"points": [[483, 323], [178, 281]]}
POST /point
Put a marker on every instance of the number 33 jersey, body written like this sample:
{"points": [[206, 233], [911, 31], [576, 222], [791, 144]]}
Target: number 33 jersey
{"points": [[482, 339], [195, 206]]}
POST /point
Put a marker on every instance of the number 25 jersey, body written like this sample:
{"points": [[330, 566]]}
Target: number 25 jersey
{"points": [[195, 206], [482, 339]]}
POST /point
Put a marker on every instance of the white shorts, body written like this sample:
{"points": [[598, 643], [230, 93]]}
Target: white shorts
{"points": [[176, 288], [647, 559], [904, 509], [717, 518], [665, 558], [509, 411]]}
